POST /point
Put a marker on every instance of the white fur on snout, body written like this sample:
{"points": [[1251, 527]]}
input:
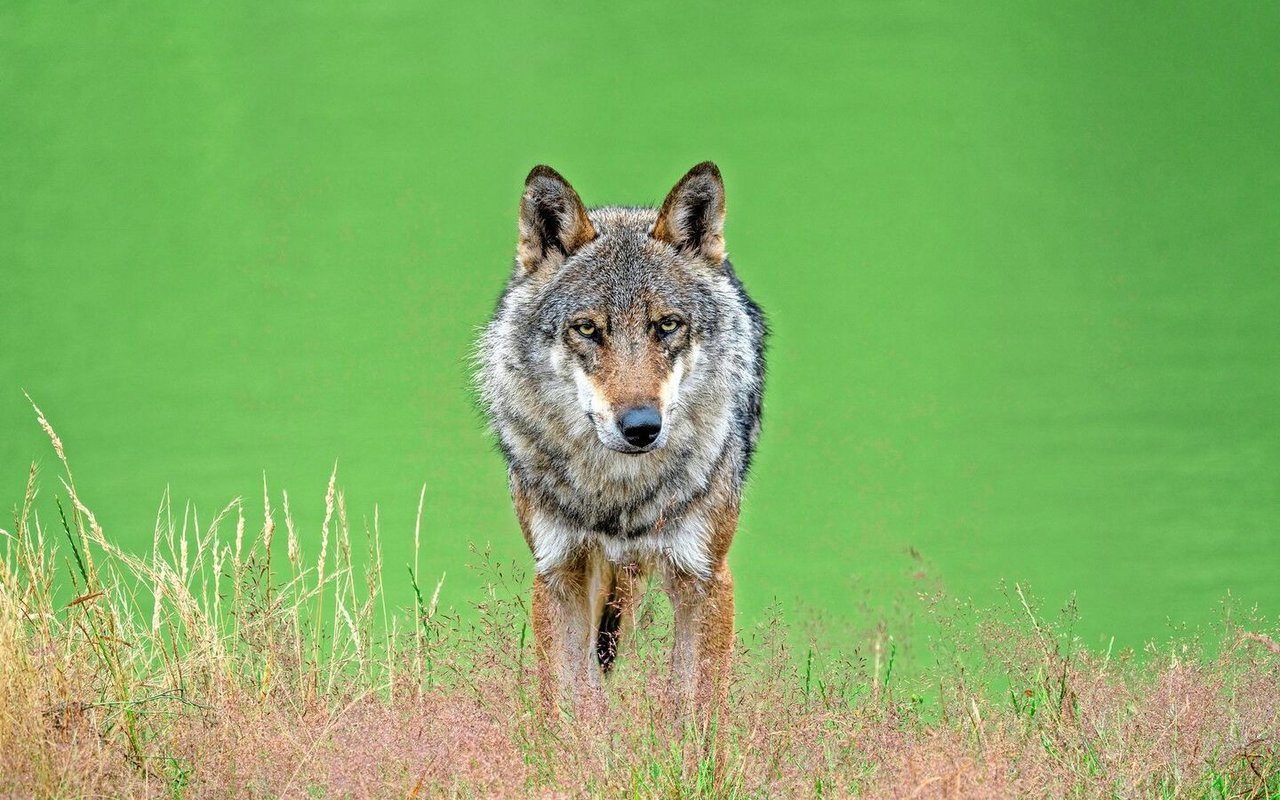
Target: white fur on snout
{"points": [[557, 358], [589, 397], [669, 393], [593, 402]]}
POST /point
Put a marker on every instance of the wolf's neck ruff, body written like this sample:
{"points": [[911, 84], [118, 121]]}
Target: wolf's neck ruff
{"points": [[637, 508]]}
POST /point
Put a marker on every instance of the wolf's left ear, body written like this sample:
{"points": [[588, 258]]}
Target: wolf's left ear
{"points": [[692, 216], [553, 221]]}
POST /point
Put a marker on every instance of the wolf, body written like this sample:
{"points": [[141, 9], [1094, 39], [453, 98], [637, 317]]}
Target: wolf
{"points": [[623, 375]]}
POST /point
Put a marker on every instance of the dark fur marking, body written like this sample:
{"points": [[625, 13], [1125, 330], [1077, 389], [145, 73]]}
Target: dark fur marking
{"points": [[610, 627], [695, 221], [547, 216]]}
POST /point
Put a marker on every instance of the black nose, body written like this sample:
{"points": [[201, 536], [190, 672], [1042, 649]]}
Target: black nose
{"points": [[640, 426]]}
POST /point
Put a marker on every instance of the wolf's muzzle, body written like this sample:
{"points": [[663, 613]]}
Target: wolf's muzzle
{"points": [[640, 426]]}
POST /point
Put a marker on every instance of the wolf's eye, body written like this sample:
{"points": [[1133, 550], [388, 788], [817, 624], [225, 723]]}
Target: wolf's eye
{"points": [[668, 325], [587, 329]]}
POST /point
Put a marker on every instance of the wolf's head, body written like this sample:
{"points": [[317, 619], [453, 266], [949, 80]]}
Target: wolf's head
{"points": [[622, 300]]}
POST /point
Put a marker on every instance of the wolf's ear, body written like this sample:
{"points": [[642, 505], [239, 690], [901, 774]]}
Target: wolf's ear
{"points": [[553, 221], [692, 216]]}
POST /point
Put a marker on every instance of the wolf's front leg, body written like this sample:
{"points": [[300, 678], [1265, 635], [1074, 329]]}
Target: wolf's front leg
{"points": [[564, 632], [703, 640], [703, 605]]}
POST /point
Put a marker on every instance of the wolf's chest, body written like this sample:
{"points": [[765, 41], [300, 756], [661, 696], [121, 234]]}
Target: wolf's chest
{"points": [[623, 497], [632, 509], [681, 544]]}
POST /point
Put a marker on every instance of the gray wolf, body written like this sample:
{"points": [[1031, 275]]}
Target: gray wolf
{"points": [[622, 373]]}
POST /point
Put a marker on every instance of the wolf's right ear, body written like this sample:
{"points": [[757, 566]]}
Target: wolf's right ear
{"points": [[692, 216], [553, 221]]}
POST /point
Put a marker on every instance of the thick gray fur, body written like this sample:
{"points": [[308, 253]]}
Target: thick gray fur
{"points": [[652, 506]]}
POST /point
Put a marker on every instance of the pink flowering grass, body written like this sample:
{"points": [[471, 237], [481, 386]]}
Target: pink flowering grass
{"points": [[232, 662]]}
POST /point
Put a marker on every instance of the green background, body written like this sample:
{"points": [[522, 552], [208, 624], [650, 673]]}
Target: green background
{"points": [[1021, 263]]}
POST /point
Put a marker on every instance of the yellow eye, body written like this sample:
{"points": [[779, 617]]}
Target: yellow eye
{"points": [[587, 329], [669, 325]]}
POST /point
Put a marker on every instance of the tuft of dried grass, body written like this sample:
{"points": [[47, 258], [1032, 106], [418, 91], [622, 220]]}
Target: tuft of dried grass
{"points": [[206, 669]]}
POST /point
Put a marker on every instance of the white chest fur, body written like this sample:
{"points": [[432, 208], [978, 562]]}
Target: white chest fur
{"points": [[683, 545]]}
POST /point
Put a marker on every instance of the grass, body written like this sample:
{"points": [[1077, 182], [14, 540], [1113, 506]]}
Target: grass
{"points": [[226, 663]]}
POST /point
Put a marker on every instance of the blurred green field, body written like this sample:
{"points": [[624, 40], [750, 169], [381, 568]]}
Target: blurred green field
{"points": [[1021, 261]]}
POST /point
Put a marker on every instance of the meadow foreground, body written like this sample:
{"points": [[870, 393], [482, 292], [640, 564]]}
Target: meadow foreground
{"points": [[231, 662]]}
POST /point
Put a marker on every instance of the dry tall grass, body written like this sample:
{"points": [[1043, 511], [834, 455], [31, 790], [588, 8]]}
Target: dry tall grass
{"points": [[221, 665]]}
